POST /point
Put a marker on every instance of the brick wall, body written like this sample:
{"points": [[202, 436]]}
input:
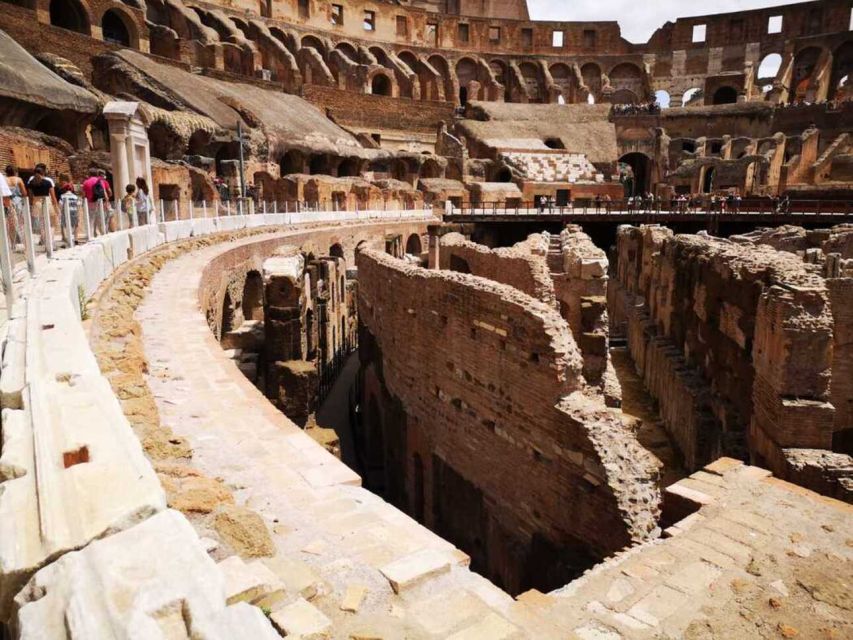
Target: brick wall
{"points": [[705, 317], [366, 111], [472, 411], [513, 266]]}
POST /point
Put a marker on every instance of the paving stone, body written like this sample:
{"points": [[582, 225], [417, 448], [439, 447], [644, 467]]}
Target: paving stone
{"points": [[415, 568], [248, 582], [353, 598], [302, 620], [492, 626]]}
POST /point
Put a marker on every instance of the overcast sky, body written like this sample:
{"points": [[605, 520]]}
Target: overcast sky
{"points": [[639, 18]]}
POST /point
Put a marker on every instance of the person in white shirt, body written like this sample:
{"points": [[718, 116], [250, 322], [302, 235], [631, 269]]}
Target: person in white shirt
{"points": [[6, 196]]}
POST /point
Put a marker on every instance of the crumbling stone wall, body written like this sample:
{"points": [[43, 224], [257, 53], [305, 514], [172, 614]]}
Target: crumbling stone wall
{"points": [[518, 266], [581, 288], [490, 440], [736, 343]]}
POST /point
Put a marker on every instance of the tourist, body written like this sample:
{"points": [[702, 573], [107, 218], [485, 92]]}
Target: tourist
{"points": [[68, 199], [608, 203], [598, 203], [95, 192], [128, 202], [6, 197], [42, 193], [19, 194], [143, 201]]}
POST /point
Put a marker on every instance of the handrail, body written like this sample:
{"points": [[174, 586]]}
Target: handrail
{"points": [[769, 207], [39, 228]]}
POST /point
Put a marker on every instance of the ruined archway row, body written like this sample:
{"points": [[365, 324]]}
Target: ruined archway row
{"points": [[562, 63]]}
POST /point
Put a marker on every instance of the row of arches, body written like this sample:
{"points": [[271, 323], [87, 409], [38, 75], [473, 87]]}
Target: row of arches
{"points": [[118, 25]]}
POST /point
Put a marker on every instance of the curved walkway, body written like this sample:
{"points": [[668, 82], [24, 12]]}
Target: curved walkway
{"points": [[323, 523]]}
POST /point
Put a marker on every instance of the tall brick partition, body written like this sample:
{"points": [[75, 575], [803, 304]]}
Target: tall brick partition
{"points": [[489, 440], [515, 266], [745, 349]]}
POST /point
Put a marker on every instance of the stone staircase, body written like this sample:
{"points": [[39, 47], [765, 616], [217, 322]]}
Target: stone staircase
{"points": [[555, 256], [551, 167]]}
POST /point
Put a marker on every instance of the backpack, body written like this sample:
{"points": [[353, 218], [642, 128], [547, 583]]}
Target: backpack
{"points": [[98, 191]]}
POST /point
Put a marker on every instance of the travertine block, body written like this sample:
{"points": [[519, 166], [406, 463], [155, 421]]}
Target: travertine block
{"points": [[152, 581], [414, 568], [248, 582], [302, 620]]}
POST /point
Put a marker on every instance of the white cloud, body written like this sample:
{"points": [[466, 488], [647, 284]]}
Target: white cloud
{"points": [[639, 19]]}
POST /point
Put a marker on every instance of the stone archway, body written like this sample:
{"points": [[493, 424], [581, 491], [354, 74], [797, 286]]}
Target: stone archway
{"points": [[640, 173], [725, 95], [71, 15], [253, 297]]}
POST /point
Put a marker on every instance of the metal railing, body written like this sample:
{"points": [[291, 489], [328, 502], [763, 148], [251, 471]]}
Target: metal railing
{"points": [[41, 226], [590, 207]]}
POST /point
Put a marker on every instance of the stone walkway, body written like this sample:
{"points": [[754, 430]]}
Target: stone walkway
{"points": [[761, 559], [331, 533]]}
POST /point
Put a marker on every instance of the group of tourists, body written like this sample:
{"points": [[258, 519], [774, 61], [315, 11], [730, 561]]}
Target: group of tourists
{"points": [[642, 109], [58, 208]]}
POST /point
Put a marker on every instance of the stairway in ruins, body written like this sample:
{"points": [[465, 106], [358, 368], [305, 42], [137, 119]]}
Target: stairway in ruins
{"points": [[555, 255]]}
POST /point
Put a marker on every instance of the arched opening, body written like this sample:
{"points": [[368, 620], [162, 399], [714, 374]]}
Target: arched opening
{"points": [[69, 14], [805, 62], [226, 152], [564, 78], [591, 74], [441, 66], [590, 99], [399, 170], [292, 162], [504, 175], [253, 297], [227, 315], [114, 28], [466, 73], [348, 51], [318, 165], [554, 143], [708, 180], [627, 82], [314, 43], [635, 173], [349, 168], [460, 265], [430, 169], [725, 95], [413, 245], [662, 98], [336, 250], [768, 69], [842, 67], [381, 85], [531, 75]]}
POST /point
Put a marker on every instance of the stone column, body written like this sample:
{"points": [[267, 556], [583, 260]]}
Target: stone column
{"points": [[121, 171]]}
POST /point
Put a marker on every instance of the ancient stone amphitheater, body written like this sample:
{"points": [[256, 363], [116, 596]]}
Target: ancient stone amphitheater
{"points": [[423, 319]]}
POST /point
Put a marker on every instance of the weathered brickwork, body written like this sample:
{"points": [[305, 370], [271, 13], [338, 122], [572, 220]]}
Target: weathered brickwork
{"points": [[518, 266], [504, 392], [736, 342]]}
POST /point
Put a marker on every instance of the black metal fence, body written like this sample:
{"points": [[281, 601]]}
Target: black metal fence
{"points": [[655, 206]]}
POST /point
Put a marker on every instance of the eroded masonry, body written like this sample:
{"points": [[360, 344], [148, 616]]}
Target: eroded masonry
{"points": [[373, 320]]}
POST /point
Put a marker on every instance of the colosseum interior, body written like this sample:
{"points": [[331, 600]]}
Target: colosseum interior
{"points": [[421, 319]]}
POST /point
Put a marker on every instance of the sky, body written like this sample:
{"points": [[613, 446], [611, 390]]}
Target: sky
{"points": [[639, 18]]}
